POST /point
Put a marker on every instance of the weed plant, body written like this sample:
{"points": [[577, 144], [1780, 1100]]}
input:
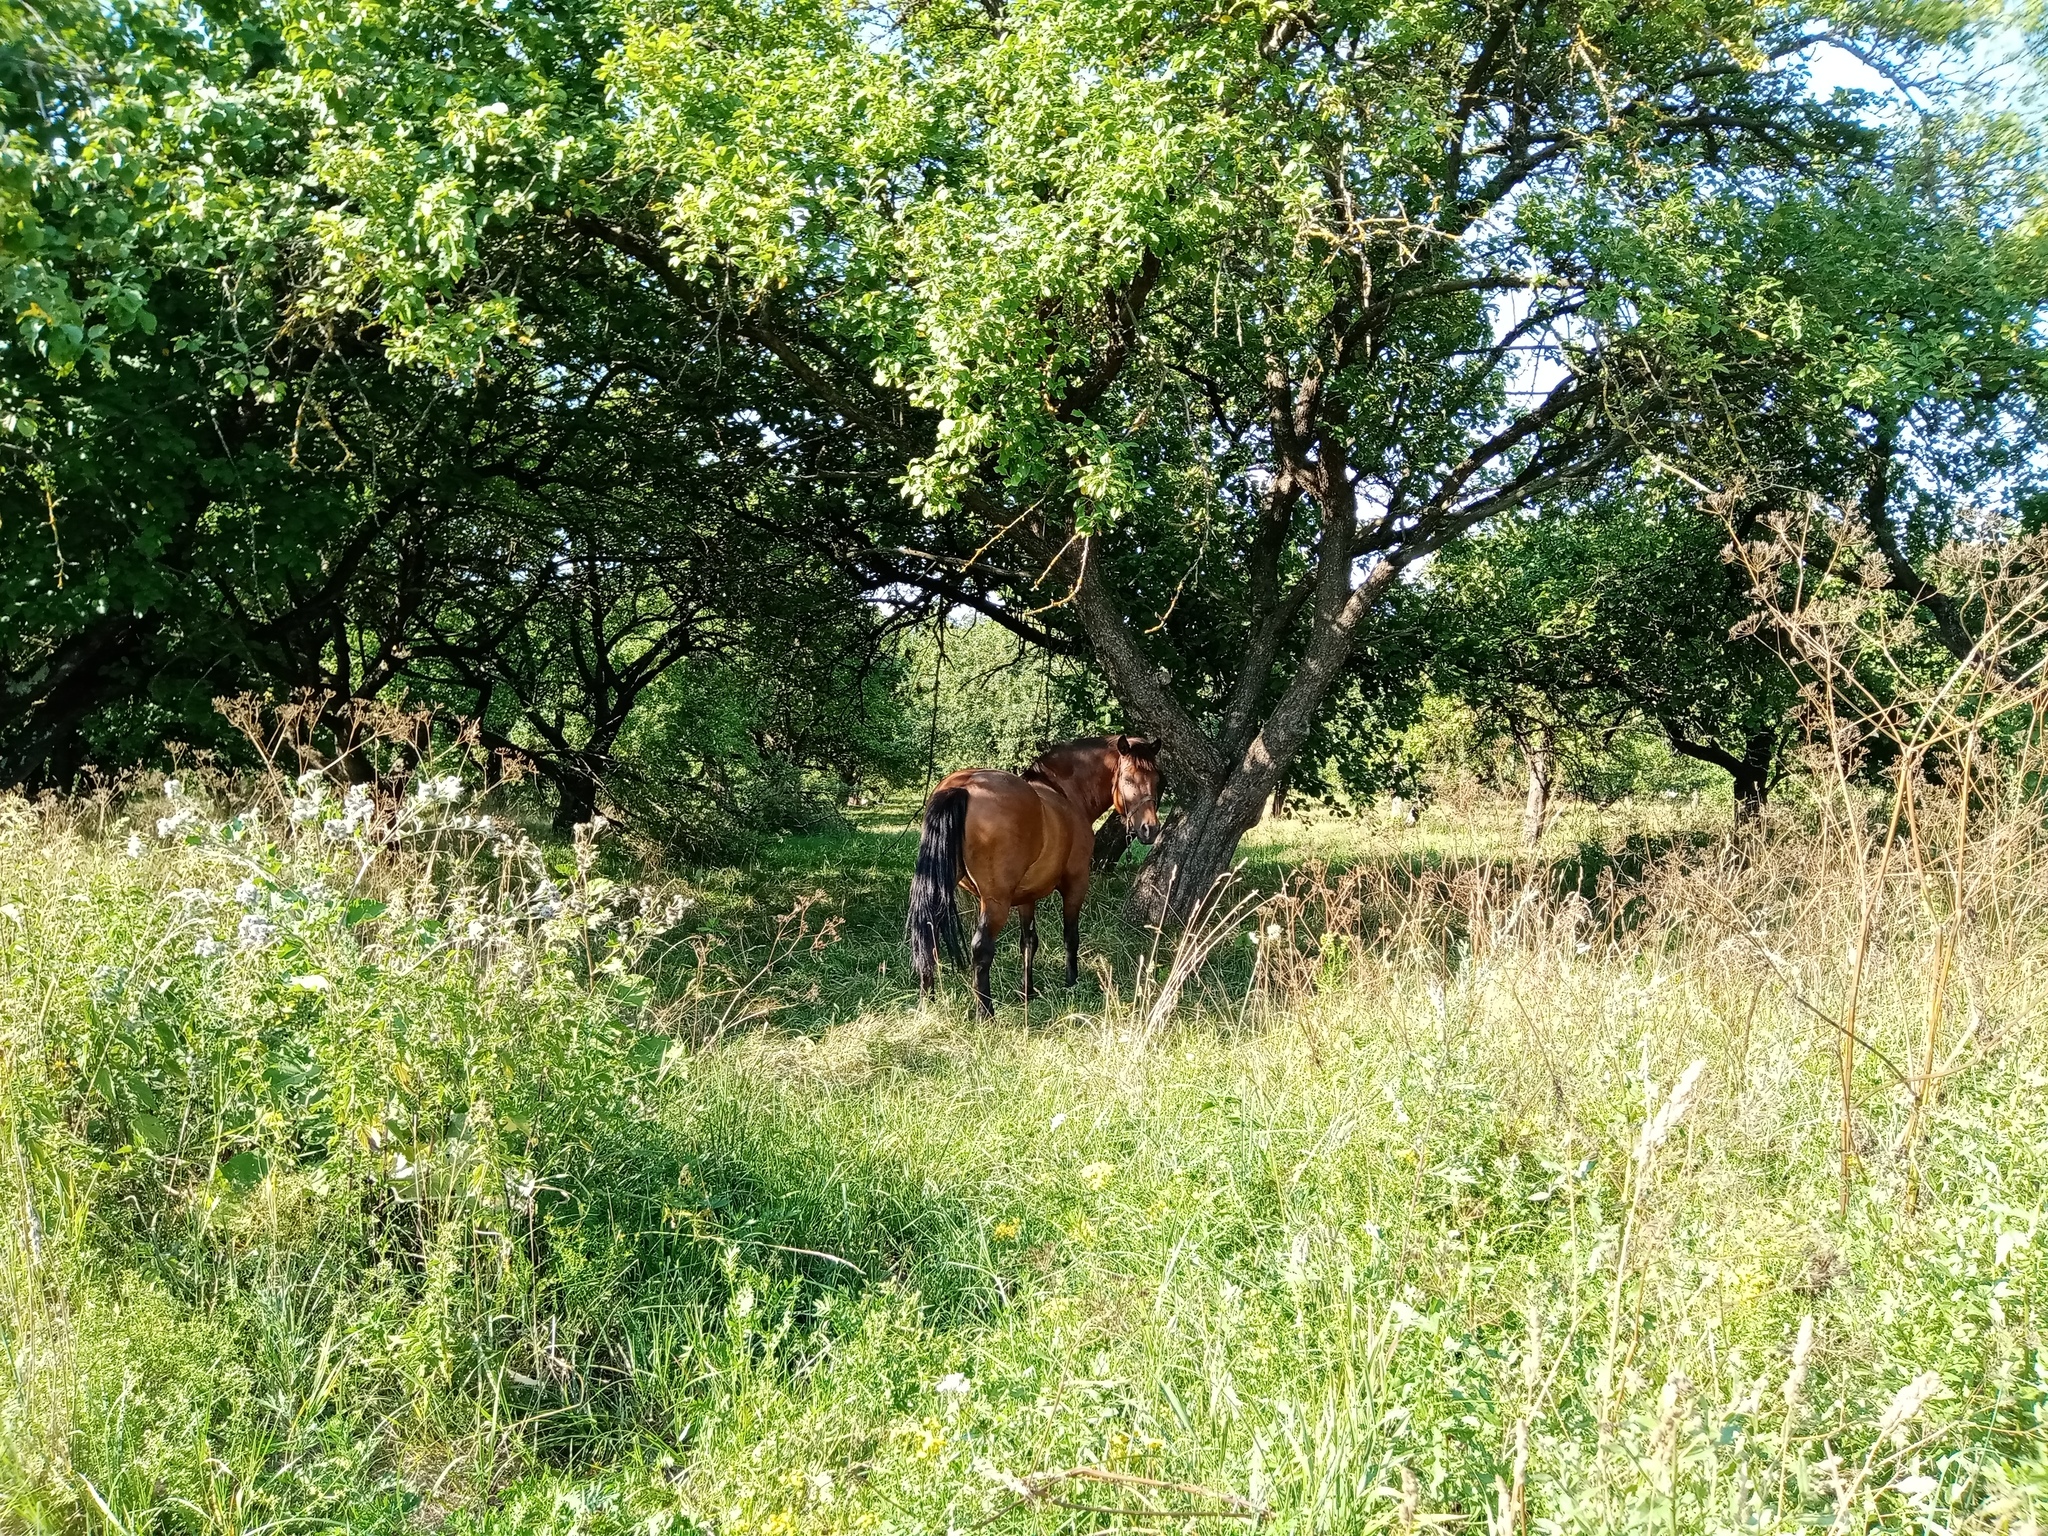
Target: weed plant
{"points": [[368, 1166]]}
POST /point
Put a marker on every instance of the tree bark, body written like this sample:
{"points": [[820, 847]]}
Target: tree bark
{"points": [[1751, 772], [1215, 813], [576, 797], [1192, 854], [1541, 756], [1111, 839], [1875, 506], [1753, 775]]}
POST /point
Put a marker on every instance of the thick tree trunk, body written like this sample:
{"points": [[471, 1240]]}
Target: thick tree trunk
{"points": [[1192, 854], [1541, 756], [577, 799], [1111, 839], [1221, 786], [1280, 798], [1753, 775], [1751, 772]]}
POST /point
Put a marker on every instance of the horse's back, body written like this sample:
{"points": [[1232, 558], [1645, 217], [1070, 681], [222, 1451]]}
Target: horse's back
{"points": [[1021, 836]]}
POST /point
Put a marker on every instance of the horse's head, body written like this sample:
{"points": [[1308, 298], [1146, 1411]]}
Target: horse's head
{"points": [[1135, 789]]}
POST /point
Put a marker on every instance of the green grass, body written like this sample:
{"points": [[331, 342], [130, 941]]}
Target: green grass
{"points": [[629, 1216]]}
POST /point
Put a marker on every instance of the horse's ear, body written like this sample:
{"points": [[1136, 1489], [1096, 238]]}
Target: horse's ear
{"points": [[1146, 750], [1123, 745]]}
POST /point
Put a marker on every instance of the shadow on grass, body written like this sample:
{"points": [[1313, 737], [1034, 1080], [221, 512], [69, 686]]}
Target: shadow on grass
{"points": [[859, 877]]}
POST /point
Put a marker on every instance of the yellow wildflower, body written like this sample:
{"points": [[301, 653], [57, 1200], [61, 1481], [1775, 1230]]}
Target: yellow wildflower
{"points": [[1006, 1229], [927, 1439], [1096, 1175]]}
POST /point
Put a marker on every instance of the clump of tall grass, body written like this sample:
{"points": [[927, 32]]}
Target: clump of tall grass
{"points": [[1488, 1192]]}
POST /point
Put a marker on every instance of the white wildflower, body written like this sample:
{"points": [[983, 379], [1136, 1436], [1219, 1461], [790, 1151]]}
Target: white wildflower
{"points": [[310, 804], [1294, 1268], [357, 805], [1795, 1379], [953, 1386], [1661, 1124], [1920, 1488], [248, 893], [206, 949], [173, 789], [1903, 1409], [134, 848], [171, 825], [519, 1191], [443, 790], [254, 931]]}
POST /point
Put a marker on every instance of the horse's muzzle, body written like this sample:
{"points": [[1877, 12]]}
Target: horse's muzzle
{"points": [[1147, 835]]}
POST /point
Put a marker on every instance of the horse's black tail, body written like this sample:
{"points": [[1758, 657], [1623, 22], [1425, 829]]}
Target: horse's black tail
{"points": [[934, 914]]}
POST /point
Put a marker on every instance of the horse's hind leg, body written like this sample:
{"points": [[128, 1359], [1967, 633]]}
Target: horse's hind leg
{"points": [[1027, 927], [986, 931]]}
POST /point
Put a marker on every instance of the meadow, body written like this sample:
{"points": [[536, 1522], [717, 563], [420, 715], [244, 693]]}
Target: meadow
{"points": [[371, 1166]]}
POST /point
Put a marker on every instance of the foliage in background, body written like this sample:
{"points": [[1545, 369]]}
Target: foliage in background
{"points": [[778, 737], [976, 695]]}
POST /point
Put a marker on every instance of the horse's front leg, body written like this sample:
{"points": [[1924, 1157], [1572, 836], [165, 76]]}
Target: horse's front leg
{"points": [[986, 932], [1027, 929], [1071, 898]]}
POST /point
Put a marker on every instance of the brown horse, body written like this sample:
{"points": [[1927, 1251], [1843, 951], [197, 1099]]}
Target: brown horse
{"points": [[1013, 839]]}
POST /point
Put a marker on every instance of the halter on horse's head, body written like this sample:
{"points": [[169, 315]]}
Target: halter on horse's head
{"points": [[1102, 773], [1134, 787]]}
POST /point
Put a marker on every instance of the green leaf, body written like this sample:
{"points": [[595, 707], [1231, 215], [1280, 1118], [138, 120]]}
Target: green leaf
{"points": [[245, 1170], [361, 910], [150, 1131], [634, 992]]}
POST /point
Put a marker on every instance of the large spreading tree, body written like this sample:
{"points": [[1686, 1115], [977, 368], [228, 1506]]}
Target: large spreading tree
{"points": [[1174, 336]]}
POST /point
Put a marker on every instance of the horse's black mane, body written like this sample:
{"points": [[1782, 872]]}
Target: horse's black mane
{"points": [[1034, 771]]}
